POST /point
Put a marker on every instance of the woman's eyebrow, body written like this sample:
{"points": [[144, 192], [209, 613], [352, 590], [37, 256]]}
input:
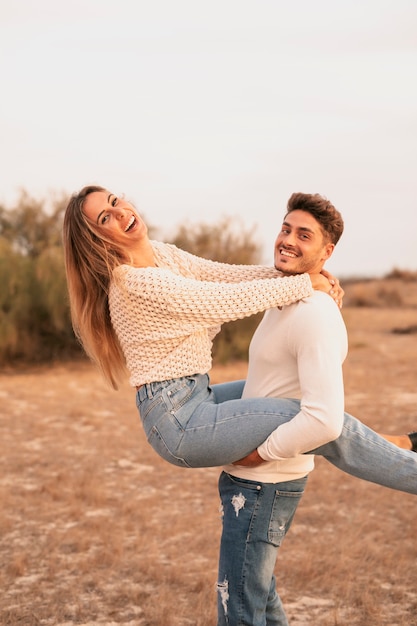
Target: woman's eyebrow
{"points": [[104, 210], [98, 216]]}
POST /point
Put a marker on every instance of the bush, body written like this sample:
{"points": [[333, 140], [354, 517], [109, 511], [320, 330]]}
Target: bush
{"points": [[34, 313], [373, 294], [404, 275]]}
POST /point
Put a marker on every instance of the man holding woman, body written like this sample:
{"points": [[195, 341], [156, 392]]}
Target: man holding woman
{"points": [[155, 309]]}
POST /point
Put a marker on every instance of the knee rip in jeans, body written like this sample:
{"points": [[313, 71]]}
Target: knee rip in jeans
{"points": [[223, 591]]}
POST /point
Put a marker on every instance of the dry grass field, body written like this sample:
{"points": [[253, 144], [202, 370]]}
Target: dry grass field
{"points": [[96, 529]]}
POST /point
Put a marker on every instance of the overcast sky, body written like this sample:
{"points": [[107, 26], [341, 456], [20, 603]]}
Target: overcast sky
{"points": [[197, 110]]}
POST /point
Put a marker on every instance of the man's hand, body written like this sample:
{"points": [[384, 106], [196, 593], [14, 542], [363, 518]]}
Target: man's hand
{"points": [[251, 460]]}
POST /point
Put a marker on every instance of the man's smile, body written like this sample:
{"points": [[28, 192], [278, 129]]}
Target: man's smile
{"points": [[287, 253]]}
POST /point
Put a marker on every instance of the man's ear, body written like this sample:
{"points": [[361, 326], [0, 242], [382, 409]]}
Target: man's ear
{"points": [[328, 251]]}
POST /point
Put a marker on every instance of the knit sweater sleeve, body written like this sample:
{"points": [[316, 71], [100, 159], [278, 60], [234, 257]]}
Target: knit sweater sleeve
{"points": [[189, 300], [206, 269]]}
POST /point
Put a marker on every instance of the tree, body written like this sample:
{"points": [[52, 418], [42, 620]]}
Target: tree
{"points": [[30, 226], [34, 313], [225, 241]]}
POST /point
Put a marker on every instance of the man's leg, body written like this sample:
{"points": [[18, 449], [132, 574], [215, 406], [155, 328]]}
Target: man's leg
{"points": [[363, 453], [256, 517], [274, 608]]}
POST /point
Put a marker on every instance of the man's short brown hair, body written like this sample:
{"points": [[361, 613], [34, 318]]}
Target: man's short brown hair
{"points": [[322, 210]]}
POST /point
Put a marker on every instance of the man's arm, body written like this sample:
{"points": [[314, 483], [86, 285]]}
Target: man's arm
{"points": [[318, 342]]}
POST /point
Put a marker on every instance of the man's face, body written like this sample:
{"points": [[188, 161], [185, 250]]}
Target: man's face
{"points": [[301, 246]]}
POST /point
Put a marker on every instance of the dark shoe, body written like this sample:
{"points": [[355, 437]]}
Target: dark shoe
{"points": [[413, 439]]}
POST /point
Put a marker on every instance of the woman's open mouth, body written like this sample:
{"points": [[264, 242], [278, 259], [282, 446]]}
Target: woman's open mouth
{"points": [[130, 224]]}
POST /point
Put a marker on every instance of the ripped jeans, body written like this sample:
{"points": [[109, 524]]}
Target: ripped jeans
{"points": [[191, 424], [256, 518]]}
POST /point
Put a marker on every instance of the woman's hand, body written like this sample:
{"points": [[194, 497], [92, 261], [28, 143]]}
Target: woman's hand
{"points": [[329, 284]]}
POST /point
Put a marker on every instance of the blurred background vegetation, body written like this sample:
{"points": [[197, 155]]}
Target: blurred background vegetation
{"points": [[35, 324]]}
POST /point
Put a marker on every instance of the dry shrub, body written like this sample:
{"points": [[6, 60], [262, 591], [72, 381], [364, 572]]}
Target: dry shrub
{"points": [[401, 274], [373, 295], [399, 289]]}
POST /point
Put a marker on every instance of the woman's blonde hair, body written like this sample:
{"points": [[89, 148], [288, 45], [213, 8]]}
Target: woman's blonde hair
{"points": [[90, 259]]}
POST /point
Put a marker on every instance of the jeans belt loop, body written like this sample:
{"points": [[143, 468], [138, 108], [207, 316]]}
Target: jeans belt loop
{"points": [[149, 390], [143, 392]]}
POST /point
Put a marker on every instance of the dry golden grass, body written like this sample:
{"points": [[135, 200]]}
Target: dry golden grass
{"points": [[96, 529]]}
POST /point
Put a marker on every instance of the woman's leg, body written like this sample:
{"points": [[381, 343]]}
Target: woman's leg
{"points": [[186, 425], [228, 391], [358, 451], [363, 453], [187, 428]]}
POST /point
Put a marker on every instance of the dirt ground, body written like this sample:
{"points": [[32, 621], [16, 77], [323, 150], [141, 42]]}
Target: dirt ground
{"points": [[95, 529]]}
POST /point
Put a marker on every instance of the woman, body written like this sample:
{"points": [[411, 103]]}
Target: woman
{"points": [[156, 309]]}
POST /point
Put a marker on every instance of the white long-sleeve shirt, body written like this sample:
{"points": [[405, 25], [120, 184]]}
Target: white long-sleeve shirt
{"points": [[297, 352]]}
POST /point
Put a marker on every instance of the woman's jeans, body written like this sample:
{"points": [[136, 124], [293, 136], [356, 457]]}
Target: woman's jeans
{"points": [[191, 424], [256, 518]]}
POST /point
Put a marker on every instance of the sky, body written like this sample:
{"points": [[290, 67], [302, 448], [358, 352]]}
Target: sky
{"points": [[200, 110]]}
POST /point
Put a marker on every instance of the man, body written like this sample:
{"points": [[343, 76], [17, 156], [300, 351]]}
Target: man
{"points": [[296, 352]]}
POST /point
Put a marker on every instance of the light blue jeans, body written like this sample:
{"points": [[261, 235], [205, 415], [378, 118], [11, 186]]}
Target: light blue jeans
{"points": [[191, 424], [256, 518]]}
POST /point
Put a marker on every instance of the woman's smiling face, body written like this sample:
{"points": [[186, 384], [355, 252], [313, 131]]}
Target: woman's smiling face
{"points": [[114, 217]]}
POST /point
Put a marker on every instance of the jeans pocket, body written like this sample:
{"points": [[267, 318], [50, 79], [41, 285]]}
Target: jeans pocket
{"points": [[283, 511], [178, 393]]}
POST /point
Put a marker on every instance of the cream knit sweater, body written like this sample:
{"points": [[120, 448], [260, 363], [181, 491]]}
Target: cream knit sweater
{"points": [[166, 317]]}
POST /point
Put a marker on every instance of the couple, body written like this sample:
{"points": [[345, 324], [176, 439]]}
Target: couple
{"points": [[157, 308]]}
